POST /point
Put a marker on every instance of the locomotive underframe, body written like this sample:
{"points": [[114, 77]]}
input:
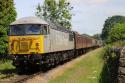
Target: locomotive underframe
{"points": [[48, 60], [42, 60]]}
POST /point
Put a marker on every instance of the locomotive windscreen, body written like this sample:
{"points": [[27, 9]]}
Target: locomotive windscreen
{"points": [[25, 29]]}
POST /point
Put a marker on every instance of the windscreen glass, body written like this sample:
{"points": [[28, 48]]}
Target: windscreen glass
{"points": [[25, 29]]}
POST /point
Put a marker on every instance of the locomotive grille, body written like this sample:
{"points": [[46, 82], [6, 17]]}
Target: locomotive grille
{"points": [[24, 47]]}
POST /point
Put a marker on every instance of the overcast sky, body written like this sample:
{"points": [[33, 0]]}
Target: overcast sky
{"points": [[88, 15]]}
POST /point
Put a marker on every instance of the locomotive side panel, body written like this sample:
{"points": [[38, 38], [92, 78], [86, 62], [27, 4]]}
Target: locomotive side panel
{"points": [[58, 41]]}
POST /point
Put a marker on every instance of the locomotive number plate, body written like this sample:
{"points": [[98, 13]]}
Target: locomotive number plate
{"points": [[24, 46]]}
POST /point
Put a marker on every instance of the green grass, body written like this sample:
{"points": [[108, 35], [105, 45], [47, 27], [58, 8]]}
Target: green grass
{"points": [[89, 70], [6, 69], [118, 43]]}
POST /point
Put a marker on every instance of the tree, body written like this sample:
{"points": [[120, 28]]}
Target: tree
{"points": [[64, 14], [59, 12], [109, 23], [3, 40], [96, 36], [117, 33], [86, 35], [7, 15], [47, 10]]}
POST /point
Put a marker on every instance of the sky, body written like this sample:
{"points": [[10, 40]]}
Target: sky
{"points": [[88, 15]]}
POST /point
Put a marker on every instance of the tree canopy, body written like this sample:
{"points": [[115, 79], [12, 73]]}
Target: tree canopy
{"points": [[7, 15], [109, 24], [57, 11], [117, 33], [96, 36]]}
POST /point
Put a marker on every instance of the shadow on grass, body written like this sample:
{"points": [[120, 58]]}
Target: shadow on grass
{"points": [[7, 73], [105, 75], [109, 72]]}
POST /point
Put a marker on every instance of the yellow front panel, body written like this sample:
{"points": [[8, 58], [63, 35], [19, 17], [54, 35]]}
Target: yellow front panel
{"points": [[26, 44]]}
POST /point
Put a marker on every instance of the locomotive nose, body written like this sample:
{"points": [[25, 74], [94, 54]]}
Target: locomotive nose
{"points": [[26, 44], [18, 46]]}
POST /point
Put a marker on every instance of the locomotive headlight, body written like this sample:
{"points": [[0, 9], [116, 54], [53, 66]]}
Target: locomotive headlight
{"points": [[37, 46]]}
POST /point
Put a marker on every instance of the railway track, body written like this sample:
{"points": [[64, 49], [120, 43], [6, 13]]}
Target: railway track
{"points": [[27, 77], [24, 78]]}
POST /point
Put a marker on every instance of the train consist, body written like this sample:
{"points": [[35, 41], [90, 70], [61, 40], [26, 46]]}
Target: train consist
{"points": [[34, 42]]}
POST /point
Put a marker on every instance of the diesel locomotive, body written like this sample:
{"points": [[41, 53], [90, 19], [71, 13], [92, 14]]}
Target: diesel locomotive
{"points": [[34, 42]]}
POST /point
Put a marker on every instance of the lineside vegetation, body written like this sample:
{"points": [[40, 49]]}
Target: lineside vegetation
{"points": [[89, 70]]}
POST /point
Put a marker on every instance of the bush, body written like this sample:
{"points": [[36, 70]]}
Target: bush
{"points": [[111, 64], [7, 16], [117, 33]]}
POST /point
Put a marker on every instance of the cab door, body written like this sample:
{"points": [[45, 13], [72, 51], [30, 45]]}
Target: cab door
{"points": [[46, 33]]}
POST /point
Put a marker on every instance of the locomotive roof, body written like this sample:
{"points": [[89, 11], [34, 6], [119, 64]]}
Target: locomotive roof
{"points": [[36, 20], [29, 20]]}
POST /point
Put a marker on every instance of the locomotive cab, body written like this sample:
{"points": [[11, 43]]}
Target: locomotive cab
{"points": [[35, 42], [26, 38]]}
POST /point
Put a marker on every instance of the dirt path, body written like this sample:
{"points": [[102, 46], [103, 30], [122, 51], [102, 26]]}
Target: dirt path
{"points": [[58, 71]]}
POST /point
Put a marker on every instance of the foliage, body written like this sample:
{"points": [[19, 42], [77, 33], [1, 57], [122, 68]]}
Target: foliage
{"points": [[64, 13], [111, 54], [7, 15], [118, 43], [117, 33], [47, 10], [59, 12], [7, 70], [111, 63], [86, 35], [109, 24], [97, 36]]}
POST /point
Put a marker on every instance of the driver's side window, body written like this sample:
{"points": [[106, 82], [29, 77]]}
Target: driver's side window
{"points": [[45, 29]]}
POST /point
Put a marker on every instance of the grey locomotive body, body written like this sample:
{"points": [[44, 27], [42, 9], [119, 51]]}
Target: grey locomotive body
{"points": [[58, 40]]}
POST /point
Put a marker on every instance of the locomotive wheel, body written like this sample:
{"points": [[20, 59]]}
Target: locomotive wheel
{"points": [[21, 70]]}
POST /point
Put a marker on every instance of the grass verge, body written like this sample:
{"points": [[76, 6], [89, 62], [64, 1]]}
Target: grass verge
{"points": [[88, 70], [6, 69]]}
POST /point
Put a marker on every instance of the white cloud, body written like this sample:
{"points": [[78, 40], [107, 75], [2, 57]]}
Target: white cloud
{"points": [[89, 1]]}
